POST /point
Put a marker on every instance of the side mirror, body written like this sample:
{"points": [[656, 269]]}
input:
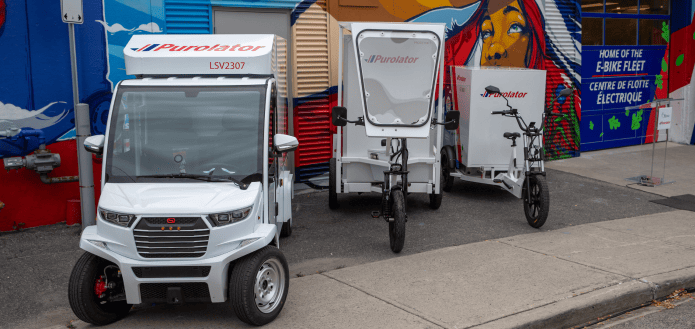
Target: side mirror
{"points": [[452, 120], [94, 144], [492, 90], [285, 143], [339, 114], [566, 92]]}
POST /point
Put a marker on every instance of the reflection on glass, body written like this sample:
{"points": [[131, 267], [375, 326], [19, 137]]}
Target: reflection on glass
{"points": [[398, 72], [592, 6], [653, 31], [592, 31], [621, 32], [214, 131], [621, 7], [654, 7]]}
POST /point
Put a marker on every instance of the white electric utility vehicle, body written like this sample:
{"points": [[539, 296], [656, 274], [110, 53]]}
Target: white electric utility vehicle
{"points": [[196, 189], [388, 78]]}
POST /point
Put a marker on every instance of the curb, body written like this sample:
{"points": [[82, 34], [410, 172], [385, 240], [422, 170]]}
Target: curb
{"points": [[579, 310]]}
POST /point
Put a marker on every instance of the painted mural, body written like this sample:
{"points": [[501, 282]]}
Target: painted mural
{"points": [[512, 33]]}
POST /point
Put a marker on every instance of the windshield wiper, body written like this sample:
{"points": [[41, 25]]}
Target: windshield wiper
{"points": [[207, 178]]}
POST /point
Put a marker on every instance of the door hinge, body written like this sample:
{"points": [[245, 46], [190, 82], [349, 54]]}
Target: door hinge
{"points": [[276, 208]]}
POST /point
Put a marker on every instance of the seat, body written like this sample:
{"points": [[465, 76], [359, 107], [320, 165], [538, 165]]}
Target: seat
{"points": [[512, 135]]}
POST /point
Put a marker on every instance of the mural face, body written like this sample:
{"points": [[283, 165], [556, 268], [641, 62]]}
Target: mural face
{"points": [[505, 36]]}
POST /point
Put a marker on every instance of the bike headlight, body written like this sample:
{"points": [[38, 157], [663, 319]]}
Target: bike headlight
{"points": [[230, 217], [116, 218]]}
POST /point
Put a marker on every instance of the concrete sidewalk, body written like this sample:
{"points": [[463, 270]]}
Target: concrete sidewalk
{"points": [[548, 279], [616, 165]]}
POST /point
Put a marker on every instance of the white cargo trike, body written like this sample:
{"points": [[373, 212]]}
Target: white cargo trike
{"points": [[483, 156], [388, 77], [193, 199]]}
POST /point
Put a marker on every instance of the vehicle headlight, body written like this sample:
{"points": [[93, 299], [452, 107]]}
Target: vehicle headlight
{"points": [[116, 218], [231, 216]]}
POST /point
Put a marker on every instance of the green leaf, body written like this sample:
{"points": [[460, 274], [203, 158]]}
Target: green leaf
{"points": [[664, 65], [680, 59], [614, 123], [600, 135], [591, 125]]}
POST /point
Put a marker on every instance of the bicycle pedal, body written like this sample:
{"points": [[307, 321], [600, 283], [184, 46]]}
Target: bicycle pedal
{"points": [[497, 180], [375, 214]]}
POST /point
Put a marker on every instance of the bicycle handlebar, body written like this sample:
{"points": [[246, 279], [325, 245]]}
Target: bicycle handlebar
{"points": [[499, 112]]}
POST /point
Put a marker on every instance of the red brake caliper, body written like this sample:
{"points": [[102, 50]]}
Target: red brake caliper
{"points": [[100, 287]]}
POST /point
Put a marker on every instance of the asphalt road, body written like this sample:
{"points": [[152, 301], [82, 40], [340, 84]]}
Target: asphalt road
{"points": [[655, 317], [35, 264]]}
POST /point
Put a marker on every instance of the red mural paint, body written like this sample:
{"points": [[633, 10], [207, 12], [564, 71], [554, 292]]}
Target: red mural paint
{"points": [[2, 14]]}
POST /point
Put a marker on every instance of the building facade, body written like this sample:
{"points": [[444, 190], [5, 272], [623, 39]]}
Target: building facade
{"points": [[615, 54]]}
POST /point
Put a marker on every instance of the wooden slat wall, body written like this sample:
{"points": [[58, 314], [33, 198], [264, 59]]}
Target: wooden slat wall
{"points": [[312, 83]]}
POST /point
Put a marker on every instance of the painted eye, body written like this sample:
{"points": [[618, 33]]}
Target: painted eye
{"points": [[515, 28], [486, 34]]}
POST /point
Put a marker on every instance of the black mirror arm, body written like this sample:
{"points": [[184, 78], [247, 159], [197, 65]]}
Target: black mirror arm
{"points": [[434, 122], [358, 122]]}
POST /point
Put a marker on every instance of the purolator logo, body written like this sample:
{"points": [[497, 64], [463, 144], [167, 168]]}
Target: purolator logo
{"points": [[218, 47], [509, 94], [386, 59]]}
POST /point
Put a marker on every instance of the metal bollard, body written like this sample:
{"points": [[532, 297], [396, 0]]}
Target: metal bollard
{"points": [[84, 159]]}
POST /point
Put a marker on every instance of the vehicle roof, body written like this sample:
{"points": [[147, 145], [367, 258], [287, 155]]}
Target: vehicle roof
{"points": [[195, 81]]}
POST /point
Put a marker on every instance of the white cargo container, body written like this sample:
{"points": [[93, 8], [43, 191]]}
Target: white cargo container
{"points": [[193, 200]]}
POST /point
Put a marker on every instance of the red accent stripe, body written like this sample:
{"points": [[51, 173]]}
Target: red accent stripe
{"points": [[618, 75], [144, 47]]}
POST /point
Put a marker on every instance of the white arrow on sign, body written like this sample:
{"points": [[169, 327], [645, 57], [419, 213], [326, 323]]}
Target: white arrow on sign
{"points": [[71, 11]]}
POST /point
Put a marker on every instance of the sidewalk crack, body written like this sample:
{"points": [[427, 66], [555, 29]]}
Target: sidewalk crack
{"points": [[570, 261], [434, 322]]}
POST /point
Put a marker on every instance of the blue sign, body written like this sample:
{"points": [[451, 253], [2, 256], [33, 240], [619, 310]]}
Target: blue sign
{"points": [[607, 62]]}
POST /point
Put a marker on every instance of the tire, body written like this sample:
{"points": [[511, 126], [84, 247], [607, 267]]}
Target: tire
{"points": [[397, 226], [332, 194], [446, 173], [286, 229], [268, 268], [537, 208], [436, 199], [83, 300]]}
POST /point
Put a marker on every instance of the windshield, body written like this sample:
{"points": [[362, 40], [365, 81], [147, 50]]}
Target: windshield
{"points": [[398, 75], [216, 131]]}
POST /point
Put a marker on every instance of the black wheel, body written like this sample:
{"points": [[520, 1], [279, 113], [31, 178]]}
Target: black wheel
{"points": [[397, 225], [286, 229], [536, 208], [332, 194], [258, 286], [446, 173], [436, 199], [93, 282]]}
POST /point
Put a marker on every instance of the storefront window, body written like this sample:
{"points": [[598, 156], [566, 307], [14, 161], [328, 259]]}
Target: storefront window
{"points": [[592, 6], [621, 32], [621, 7], [651, 32], [592, 31], [654, 7]]}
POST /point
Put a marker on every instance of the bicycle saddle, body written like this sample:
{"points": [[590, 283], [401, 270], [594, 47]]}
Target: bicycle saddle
{"points": [[512, 135]]}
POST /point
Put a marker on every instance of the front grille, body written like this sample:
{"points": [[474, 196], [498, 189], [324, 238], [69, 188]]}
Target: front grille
{"points": [[187, 237], [172, 271], [167, 220], [191, 291]]}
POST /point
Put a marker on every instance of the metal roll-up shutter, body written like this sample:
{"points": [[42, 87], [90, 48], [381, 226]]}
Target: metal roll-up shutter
{"points": [[312, 88], [563, 48], [187, 16]]}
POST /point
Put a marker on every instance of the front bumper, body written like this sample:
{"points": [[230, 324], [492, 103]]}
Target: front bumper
{"points": [[217, 279]]}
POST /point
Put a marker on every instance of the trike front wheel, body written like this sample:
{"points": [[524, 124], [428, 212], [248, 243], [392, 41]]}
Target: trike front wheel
{"points": [[397, 223], [537, 202]]}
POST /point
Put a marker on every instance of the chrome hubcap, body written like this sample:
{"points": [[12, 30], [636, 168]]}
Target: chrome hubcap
{"points": [[270, 285]]}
